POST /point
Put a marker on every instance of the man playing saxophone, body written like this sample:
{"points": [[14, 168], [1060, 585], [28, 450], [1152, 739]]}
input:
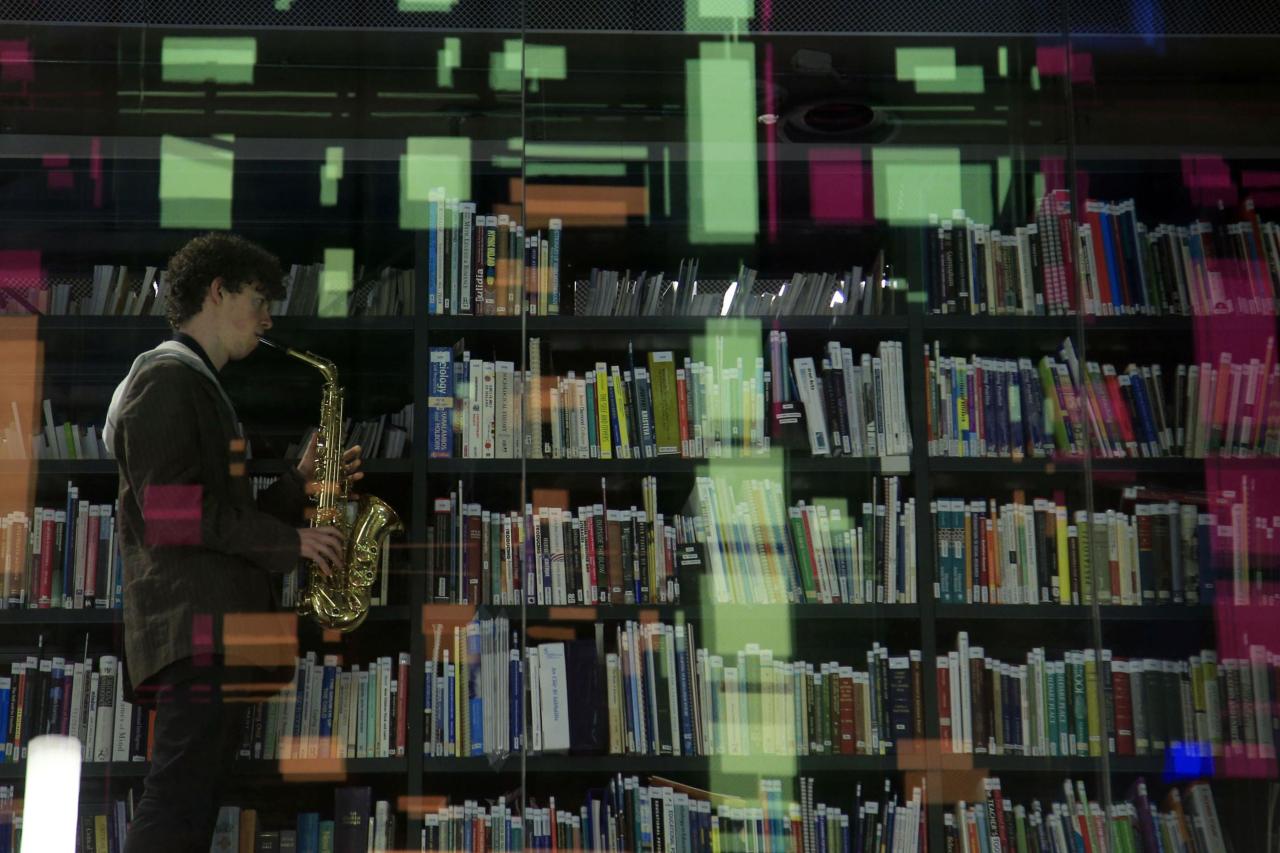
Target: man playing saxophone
{"points": [[196, 544]]}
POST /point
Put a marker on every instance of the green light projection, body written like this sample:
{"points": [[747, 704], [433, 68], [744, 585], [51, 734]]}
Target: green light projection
{"points": [[336, 282], [185, 59], [911, 183], [934, 71], [448, 58], [723, 183], [504, 67], [195, 182], [330, 175], [426, 5], [718, 16], [544, 62], [430, 162]]}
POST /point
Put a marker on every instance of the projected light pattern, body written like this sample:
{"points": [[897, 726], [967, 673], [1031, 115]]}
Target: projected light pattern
{"points": [[196, 182]]}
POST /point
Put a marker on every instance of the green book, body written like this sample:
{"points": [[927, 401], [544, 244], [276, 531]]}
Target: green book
{"points": [[1052, 412]]}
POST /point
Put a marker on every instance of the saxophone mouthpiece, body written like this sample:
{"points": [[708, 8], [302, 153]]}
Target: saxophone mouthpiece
{"points": [[273, 344]]}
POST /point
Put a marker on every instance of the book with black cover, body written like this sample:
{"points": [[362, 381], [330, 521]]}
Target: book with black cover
{"points": [[352, 806]]}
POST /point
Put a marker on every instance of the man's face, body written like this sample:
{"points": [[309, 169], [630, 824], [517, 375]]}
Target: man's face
{"points": [[244, 317]]}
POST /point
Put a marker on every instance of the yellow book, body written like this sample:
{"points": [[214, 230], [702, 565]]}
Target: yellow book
{"points": [[666, 417], [1064, 554], [460, 732], [620, 407], [603, 432], [1091, 701], [100, 832]]}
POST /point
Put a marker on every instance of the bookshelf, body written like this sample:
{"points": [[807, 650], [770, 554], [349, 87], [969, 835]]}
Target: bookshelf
{"points": [[385, 361]]}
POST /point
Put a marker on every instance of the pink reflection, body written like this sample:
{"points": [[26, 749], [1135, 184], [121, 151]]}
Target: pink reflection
{"points": [[1051, 61], [837, 181], [21, 280], [16, 62], [172, 514], [1209, 179]]}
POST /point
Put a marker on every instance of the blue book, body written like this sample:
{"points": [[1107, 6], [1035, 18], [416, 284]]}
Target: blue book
{"points": [[326, 702], [440, 403], [301, 672], [4, 715], [516, 715], [1139, 386], [615, 435], [308, 832], [1110, 250], [682, 689], [433, 252]]}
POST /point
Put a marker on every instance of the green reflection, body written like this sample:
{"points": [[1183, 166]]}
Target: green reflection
{"points": [[195, 182], [593, 170], [448, 58], [934, 71], [1004, 178], [718, 16], [426, 5], [587, 152], [336, 281], [184, 59], [977, 191], [1002, 59], [723, 194], [432, 162], [504, 67], [330, 174], [911, 183], [543, 62]]}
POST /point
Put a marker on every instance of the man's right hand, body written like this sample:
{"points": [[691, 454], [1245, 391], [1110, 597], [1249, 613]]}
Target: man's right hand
{"points": [[323, 546]]}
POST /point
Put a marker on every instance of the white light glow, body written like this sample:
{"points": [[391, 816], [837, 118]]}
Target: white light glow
{"points": [[51, 801]]}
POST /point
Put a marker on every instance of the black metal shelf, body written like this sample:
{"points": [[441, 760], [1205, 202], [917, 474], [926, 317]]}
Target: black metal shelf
{"points": [[800, 613], [298, 770], [100, 617], [794, 463], [1172, 613], [108, 468], [721, 765], [1075, 465], [106, 323], [572, 324]]}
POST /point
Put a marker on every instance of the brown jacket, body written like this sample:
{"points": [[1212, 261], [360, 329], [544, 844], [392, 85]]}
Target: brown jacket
{"points": [[195, 544]]}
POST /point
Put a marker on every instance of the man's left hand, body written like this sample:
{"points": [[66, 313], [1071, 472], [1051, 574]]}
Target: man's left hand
{"points": [[351, 461]]}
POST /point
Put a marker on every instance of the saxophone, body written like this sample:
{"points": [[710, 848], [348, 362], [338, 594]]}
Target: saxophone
{"points": [[340, 601]]}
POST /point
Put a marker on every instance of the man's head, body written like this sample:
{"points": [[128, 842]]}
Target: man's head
{"points": [[219, 289]]}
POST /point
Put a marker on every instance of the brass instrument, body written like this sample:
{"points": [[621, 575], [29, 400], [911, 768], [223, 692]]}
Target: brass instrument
{"points": [[340, 601]]}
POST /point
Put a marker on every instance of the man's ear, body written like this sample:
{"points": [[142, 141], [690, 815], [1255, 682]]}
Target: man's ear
{"points": [[217, 290]]}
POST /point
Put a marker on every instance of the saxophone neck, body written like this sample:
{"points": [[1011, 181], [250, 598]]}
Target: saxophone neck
{"points": [[320, 363]]}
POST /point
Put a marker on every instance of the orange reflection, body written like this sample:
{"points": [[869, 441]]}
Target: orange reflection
{"points": [[266, 640], [580, 205], [22, 355]]}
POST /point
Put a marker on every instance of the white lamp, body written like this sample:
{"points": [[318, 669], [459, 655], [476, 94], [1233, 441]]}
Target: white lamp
{"points": [[50, 803]]}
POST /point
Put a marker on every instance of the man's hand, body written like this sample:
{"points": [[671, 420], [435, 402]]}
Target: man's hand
{"points": [[351, 461], [322, 546]]}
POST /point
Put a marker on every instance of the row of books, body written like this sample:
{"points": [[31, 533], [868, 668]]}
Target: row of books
{"points": [[738, 536], [54, 440], [1093, 702], [311, 290], [388, 436], [143, 291], [1010, 408], [630, 814], [52, 695], [332, 711], [850, 408], [1040, 552], [480, 409], [61, 558], [608, 293], [1107, 264], [658, 694], [487, 264], [360, 824], [1076, 823]]}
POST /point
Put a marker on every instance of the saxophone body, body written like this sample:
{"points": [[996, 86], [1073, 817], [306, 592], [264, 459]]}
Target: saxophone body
{"points": [[341, 600]]}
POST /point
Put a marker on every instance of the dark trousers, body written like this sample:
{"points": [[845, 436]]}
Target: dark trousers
{"points": [[196, 737]]}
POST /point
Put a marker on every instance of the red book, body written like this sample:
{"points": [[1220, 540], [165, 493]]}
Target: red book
{"points": [[474, 556], [682, 408], [402, 705], [944, 704], [1093, 220], [93, 523], [1122, 699], [44, 594], [846, 715]]}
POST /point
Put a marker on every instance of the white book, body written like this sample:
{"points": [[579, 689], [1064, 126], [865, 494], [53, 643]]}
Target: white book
{"points": [[384, 699], [487, 409], [104, 735], [311, 711], [362, 714], [534, 672], [553, 687], [815, 415], [76, 717], [123, 717], [507, 407]]}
